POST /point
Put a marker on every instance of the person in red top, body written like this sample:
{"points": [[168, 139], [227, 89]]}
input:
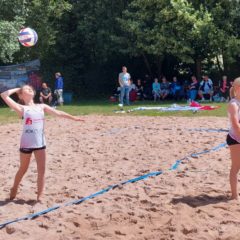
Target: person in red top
{"points": [[224, 89]]}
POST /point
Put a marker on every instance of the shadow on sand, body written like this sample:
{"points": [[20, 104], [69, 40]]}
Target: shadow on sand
{"points": [[19, 201], [200, 200]]}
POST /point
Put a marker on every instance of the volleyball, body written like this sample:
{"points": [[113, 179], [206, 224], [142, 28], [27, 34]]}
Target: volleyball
{"points": [[27, 37]]}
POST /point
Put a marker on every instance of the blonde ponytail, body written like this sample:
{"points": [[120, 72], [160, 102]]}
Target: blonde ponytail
{"points": [[236, 83], [232, 92], [19, 93]]}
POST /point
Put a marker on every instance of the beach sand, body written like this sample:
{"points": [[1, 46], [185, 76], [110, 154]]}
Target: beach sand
{"points": [[83, 158]]}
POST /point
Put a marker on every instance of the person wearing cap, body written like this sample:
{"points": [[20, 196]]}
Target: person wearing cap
{"points": [[59, 88]]}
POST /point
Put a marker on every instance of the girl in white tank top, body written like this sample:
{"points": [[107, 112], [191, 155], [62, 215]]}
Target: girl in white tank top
{"points": [[233, 138], [32, 139], [33, 127], [232, 131]]}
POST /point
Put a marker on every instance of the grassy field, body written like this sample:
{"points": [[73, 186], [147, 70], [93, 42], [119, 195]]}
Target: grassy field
{"points": [[107, 108]]}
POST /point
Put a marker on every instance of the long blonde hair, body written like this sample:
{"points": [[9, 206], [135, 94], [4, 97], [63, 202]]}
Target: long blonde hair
{"points": [[235, 84], [19, 93]]}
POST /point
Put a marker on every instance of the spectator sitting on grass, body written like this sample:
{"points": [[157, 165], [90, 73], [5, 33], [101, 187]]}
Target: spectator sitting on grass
{"points": [[164, 88], [206, 88], [132, 86], [156, 89], [224, 89], [176, 89], [116, 95], [132, 91], [45, 94], [139, 89], [147, 87], [193, 89]]}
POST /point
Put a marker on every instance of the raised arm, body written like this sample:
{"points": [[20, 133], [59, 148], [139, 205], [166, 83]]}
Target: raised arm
{"points": [[10, 102], [62, 114]]}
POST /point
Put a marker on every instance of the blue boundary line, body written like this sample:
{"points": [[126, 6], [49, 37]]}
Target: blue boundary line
{"points": [[133, 180], [209, 130]]}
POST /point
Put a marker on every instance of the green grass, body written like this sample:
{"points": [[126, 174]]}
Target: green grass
{"points": [[107, 108], [7, 116]]}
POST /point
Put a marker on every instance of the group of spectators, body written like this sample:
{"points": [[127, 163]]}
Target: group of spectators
{"points": [[156, 90]]}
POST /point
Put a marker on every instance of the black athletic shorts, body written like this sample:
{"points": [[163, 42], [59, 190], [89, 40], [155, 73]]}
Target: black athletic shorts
{"points": [[231, 141], [30, 150]]}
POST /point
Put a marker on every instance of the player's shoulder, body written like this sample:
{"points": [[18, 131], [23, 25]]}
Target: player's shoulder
{"points": [[233, 104]]}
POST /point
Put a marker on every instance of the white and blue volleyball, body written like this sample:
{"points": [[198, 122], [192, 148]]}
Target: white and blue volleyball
{"points": [[27, 37]]}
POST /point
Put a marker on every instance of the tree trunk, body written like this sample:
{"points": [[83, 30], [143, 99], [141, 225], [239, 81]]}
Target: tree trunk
{"points": [[147, 64], [198, 63], [226, 67], [159, 66], [219, 66]]}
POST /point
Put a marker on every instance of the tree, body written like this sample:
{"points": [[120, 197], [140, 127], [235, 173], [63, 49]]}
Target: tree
{"points": [[45, 16], [219, 38], [160, 28], [12, 17], [192, 31], [86, 46]]}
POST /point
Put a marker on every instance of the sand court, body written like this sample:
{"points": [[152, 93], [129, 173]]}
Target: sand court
{"points": [[83, 158]]}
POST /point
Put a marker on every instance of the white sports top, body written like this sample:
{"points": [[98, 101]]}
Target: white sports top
{"points": [[33, 128], [232, 132]]}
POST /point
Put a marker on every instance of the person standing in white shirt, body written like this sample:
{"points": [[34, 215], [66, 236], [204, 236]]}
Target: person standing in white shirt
{"points": [[124, 82]]}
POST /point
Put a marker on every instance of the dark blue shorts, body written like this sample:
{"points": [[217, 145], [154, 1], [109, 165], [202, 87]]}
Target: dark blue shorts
{"points": [[30, 150], [230, 141]]}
